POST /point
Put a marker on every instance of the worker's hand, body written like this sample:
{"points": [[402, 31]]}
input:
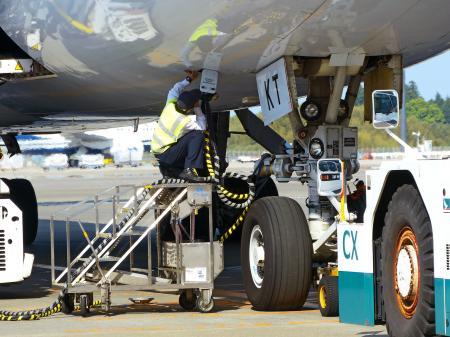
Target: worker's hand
{"points": [[193, 74]]}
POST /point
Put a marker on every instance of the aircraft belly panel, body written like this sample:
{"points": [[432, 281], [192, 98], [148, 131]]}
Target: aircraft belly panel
{"points": [[121, 57]]}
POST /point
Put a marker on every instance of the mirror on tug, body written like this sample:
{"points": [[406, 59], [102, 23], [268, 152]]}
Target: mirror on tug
{"points": [[329, 177], [385, 109]]}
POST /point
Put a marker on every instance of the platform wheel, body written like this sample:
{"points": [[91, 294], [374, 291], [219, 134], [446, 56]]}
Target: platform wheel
{"points": [[187, 299], [84, 305], [204, 305], [407, 266], [68, 304], [329, 296]]}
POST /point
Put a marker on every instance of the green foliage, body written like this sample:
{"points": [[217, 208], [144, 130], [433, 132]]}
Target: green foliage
{"points": [[428, 112], [245, 143], [446, 110], [360, 96], [444, 105], [368, 137], [411, 91]]}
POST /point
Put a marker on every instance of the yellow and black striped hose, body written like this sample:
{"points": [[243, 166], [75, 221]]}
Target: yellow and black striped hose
{"points": [[33, 315], [228, 197]]}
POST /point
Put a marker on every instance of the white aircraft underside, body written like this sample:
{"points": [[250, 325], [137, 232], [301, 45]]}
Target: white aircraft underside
{"points": [[117, 59]]}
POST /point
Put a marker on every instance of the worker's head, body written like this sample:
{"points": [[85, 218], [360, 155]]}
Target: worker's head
{"points": [[189, 99], [360, 185]]}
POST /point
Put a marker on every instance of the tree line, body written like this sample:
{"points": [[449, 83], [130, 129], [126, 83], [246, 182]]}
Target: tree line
{"points": [[431, 118]]}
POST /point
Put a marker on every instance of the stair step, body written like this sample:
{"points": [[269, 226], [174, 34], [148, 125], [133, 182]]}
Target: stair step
{"points": [[109, 259], [104, 235], [134, 232]]}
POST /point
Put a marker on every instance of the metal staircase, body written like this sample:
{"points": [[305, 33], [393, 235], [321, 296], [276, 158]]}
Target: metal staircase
{"points": [[96, 266]]}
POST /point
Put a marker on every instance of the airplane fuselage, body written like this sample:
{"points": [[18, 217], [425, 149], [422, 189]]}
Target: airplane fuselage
{"points": [[118, 59]]}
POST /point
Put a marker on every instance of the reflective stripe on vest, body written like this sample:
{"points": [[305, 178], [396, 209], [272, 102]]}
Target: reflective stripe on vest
{"points": [[207, 28], [169, 128]]}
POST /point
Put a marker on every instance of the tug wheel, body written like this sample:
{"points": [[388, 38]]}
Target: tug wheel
{"points": [[329, 296], [407, 266]]}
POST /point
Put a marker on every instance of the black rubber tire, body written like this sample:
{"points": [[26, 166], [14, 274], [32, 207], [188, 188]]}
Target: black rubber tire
{"points": [[265, 187], [288, 254], [407, 209], [23, 195], [84, 306], [329, 284], [67, 304], [185, 303]]}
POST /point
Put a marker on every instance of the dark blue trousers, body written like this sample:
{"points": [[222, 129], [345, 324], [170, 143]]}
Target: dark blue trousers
{"points": [[188, 152]]}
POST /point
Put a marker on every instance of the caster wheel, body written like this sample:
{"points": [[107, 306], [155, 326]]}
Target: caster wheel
{"points": [[84, 305], [67, 304], [205, 307], [187, 300]]}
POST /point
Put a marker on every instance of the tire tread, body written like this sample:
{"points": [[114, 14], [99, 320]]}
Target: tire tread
{"points": [[286, 231]]}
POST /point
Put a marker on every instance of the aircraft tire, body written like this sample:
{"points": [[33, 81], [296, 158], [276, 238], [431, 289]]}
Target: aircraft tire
{"points": [[407, 266], [279, 276], [23, 195], [329, 296]]}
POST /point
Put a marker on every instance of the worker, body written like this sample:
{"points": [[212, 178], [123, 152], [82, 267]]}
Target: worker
{"points": [[356, 201], [178, 139]]}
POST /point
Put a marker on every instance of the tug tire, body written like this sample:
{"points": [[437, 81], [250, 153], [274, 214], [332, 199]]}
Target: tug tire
{"points": [[407, 254]]}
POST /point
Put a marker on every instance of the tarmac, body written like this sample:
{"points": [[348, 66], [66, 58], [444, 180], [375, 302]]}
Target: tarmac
{"points": [[232, 315]]}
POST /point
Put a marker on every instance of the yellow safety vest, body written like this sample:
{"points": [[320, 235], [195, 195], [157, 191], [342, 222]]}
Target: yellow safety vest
{"points": [[169, 128], [207, 28]]}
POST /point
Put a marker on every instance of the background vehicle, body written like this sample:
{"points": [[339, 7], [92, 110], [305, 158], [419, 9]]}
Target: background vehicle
{"points": [[92, 161], [57, 161]]}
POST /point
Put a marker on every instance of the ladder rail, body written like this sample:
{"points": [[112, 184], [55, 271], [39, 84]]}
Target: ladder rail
{"points": [[130, 223], [145, 233], [103, 200], [103, 230]]}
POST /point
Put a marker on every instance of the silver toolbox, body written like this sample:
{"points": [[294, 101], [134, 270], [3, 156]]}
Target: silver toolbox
{"points": [[194, 263]]}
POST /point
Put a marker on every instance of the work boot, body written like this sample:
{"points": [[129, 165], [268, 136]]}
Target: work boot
{"points": [[191, 176]]}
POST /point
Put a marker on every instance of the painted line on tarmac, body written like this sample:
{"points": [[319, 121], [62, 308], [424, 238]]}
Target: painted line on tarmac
{"points": [[48, 267], [196, 327]]}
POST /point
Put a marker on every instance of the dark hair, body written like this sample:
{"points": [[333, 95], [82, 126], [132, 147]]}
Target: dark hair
{"points": [[187, 99]]}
